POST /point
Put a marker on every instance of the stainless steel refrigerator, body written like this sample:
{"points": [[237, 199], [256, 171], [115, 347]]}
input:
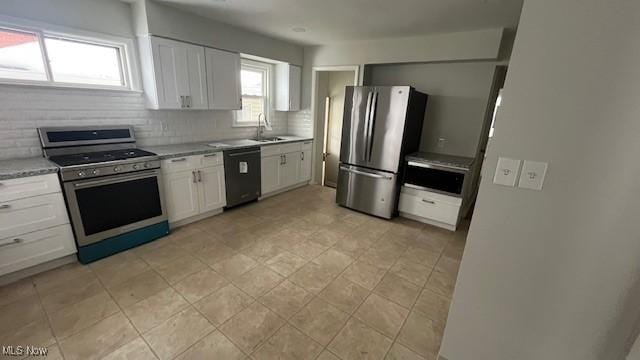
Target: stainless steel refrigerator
{"points": [[381, 125]]}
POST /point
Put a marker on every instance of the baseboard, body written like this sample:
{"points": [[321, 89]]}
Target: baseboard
{"points": [[278, 192], [192, 219], [40, 268], [428, 221]]}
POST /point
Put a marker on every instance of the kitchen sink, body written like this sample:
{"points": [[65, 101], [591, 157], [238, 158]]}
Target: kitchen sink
{"points": [[268, 139]]}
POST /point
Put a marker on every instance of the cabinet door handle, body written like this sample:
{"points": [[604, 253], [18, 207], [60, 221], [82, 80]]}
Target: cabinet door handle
{"points": [[428, 201], [285, 158], [14, 241], [302, 156], [181, 101], [211, 155], [179, 160], [199, 176], [194, 177], [4, 206], [189, 102], [281, 159]]}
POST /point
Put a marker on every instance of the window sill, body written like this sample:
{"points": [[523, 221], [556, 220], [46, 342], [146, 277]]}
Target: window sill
{"points": [[63, 86]]}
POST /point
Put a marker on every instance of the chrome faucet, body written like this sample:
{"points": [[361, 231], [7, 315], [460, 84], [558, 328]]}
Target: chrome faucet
{"points": [[262, 119]]}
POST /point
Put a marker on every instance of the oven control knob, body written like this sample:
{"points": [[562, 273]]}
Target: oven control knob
{"points": [[82, 174], [135, 166], [147, 165], [116, 169], [95, 172]]}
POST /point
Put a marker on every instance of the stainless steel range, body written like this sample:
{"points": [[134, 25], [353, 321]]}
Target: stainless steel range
{"points": [[112, 189]]}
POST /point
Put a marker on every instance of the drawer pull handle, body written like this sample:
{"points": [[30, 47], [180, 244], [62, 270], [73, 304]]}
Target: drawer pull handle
{"points": [[179, 160], [211, 155], [4, 206], [428, 201], [14, 241]]}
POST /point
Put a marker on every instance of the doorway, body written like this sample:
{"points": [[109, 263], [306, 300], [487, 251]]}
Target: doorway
{"points": [[329, 95]]}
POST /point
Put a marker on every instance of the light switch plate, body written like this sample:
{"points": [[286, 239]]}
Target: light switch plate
{"points": [[506, 172], [533, 173]]}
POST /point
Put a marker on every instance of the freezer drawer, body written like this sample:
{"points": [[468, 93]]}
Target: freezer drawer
{"points": [[369, 191]]}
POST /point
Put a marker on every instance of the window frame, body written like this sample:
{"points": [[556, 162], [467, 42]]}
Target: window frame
{"points": [[125, 47], [267, 70]]}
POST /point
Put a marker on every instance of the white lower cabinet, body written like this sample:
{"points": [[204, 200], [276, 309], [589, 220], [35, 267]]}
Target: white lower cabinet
{"points": [[271, 173], [213, 195], [34, 225], [193, 185], [181, 194], [285, 165], [430, 207]]}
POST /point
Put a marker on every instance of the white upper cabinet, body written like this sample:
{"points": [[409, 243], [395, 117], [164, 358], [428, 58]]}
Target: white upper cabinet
{"points": [[173, 73], [223, 79], [288, 85]]}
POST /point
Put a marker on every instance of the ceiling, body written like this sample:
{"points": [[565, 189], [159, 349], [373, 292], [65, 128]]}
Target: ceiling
{"points": [[328, 21]]}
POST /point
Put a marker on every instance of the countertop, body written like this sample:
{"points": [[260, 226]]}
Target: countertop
{"points": [[442, 160], [177, 150], [17, 168]]}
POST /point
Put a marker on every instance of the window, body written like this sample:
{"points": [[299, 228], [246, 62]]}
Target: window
{"points": [[254, 77], [44, 58]]}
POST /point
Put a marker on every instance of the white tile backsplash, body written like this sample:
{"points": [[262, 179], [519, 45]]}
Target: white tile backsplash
{"points": [[301, 123], [25, 108]]}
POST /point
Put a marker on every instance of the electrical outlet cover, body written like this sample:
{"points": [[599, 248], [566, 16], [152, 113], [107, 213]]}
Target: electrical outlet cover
{"points": [[533, 173], [506, 172]]}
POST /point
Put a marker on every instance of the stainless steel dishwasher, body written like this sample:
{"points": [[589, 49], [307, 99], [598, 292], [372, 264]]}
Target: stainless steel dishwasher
{"points": [[242, 175]]}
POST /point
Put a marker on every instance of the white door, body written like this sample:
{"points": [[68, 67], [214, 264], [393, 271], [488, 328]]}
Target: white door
{"points": [[291, 168], [167, 57], [223, 79], [196, 77], [295, 78], [212, 188], [270, 173], [181, 193], [305, 166]]}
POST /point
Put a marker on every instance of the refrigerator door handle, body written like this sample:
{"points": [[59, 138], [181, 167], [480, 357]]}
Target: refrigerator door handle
{"points": [[364, 173], [371, 125], [367, 116]]}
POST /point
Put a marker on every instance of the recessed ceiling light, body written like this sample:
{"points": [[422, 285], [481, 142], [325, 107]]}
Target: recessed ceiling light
{"points": [[299, 29]]}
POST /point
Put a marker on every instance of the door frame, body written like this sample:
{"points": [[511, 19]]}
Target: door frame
{"points": [[318, 136]]}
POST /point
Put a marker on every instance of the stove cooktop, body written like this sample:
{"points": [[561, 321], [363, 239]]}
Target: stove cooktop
{"points": [[98, 157]]}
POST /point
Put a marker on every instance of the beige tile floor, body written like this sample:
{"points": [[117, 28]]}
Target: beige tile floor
{"points": [[291, 277]]}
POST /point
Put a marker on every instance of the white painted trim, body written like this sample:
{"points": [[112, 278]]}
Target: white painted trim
{"points": [[357, 80]]}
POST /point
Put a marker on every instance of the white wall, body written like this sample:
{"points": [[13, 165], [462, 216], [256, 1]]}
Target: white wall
{"points": [[555, 274], [486, 45], [170, 22], [458, 96], [104, 16], [459, 46]]}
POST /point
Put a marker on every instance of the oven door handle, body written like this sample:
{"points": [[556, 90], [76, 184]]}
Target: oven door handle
{"points": [[112, 180]]}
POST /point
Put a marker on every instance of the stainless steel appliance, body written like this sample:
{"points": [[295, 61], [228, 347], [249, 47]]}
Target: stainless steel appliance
{"points": [[242, 175], [445, 174], [381, 125], [112, 189]]}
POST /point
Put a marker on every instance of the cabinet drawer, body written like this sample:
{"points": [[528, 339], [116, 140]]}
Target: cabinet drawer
{"points": [[270, 150], [32, 214], [25, 187], [181, 163], [291, 147], [212, 159], [429, 207], [306, 145], [20, 252]]}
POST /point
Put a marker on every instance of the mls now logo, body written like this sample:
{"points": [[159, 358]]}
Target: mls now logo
{"points": [[24, 350]]}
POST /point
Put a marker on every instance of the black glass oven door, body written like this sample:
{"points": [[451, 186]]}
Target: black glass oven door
{"points": [[110, 206]]}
